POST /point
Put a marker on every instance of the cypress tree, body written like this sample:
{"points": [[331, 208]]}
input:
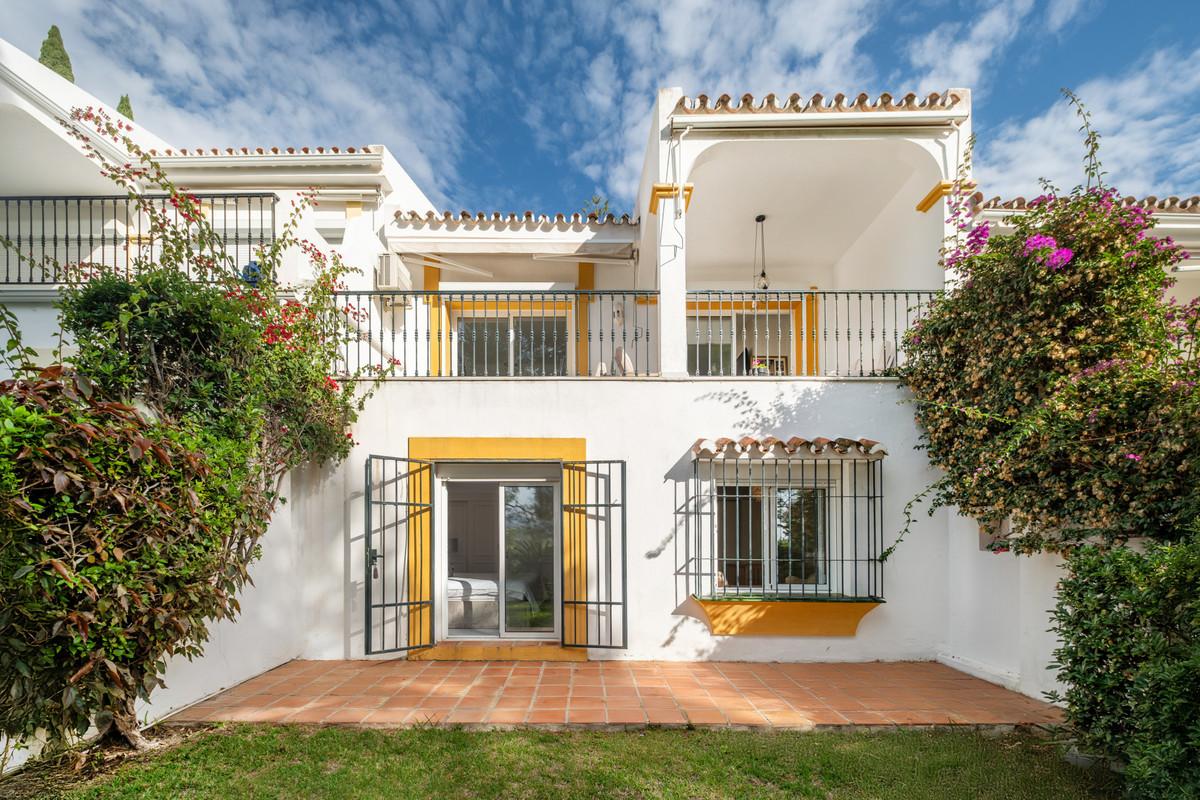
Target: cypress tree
{"points": [[54, 55], [124, 108]]}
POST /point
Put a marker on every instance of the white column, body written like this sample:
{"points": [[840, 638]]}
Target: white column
{"points": [[672, 286]]}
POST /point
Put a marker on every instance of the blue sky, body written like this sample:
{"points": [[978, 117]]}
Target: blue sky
{"points": [[528, 105]]}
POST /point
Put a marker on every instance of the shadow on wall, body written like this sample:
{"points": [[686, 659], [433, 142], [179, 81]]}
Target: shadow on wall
{"points": [[792, 410]]}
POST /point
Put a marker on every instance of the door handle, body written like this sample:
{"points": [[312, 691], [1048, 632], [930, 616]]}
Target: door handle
{"points": [[374, 563]]}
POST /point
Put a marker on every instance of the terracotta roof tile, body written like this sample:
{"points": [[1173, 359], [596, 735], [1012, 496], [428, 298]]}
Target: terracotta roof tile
{"points": [[816, 104], [184, 152], [496, 219], [1167, 205], [795, 447]]}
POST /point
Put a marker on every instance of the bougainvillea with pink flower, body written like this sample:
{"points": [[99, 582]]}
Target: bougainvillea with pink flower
{"points": [[1056, 382]]}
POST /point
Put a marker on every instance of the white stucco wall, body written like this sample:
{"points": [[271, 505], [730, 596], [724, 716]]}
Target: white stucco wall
{"points": [[266, 634], [998, 612], [651, 424]]}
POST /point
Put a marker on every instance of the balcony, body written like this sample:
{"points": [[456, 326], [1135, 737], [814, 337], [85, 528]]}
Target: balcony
{"points": [[545, 334], [504, 334], [46, 234], [831, 334]]}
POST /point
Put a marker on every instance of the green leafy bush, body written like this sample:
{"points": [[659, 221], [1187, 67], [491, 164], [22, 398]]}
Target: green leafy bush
{"points": [[1054, 385], [113, 551], [137, 483], [1129, 625]]}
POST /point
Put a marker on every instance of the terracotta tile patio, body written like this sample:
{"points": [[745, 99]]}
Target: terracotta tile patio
{"points": [[506, 693]]}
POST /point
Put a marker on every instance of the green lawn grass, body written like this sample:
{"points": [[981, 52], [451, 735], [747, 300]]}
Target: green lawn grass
{"points": [[346, 763]]}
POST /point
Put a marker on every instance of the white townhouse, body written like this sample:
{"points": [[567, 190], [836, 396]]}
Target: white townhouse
{"points": [[669, 435]]}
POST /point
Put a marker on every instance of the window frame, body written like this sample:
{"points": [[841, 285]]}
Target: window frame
{"points": [[511, 316], [770, 586], [737, 343]]}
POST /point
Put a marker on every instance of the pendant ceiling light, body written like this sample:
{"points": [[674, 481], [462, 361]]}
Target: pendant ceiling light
{"points": [[760, 254]]}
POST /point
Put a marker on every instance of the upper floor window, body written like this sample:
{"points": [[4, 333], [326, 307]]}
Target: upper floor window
{"points": [[511, 344]]}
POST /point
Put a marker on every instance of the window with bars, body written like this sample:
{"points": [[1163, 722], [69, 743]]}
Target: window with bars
{"points": [[804, 527]]}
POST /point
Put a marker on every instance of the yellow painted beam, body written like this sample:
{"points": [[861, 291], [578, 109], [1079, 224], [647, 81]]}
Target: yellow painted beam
{"points": [[939, 190], [586, 281], [665, 191], [785, 617], [498, 448], [433, 280]]}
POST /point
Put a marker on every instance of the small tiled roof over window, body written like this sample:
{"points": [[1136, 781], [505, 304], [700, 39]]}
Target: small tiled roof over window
{"points": [[795, 447], [816, 104]]}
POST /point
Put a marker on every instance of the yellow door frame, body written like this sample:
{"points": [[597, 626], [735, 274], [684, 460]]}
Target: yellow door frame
{"points": [[501, 449]]}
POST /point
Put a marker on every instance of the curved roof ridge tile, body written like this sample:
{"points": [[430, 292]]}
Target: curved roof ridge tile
{"points": [[1172, 205], [497, 218], [816, 103]]}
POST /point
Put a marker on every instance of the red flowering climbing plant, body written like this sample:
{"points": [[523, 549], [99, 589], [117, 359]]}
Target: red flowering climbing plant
{"points": [[1056, 382]]}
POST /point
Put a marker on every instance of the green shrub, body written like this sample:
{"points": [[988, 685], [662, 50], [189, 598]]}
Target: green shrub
{"points": [[113, 551], [1129, 625], [133, 501], [1055, 386]]}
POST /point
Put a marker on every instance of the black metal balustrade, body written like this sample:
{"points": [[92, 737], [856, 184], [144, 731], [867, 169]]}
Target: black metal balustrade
{"points": [[45, 235], [503, 333], [792, 528], [853, 333]]}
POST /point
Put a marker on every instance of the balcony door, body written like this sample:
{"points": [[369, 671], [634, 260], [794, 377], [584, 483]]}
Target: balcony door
{"points": [[740, 343], [513, 344], [503, 560]]}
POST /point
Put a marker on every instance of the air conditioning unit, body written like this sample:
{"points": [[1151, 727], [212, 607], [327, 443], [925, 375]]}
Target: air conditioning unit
{"points": [[392, 274]]}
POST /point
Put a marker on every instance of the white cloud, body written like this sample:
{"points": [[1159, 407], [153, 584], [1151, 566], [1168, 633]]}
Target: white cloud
{"points": [[221, 74], [1149, 126], [1060, 12], [957, 54], [439, 84]]}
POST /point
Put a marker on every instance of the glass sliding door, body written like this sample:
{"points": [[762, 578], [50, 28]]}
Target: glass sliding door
{"points": [[528, 529]]}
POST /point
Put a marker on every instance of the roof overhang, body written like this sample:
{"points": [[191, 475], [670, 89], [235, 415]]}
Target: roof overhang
{"points": [[360, 173], [516, 235], [936, 110]]}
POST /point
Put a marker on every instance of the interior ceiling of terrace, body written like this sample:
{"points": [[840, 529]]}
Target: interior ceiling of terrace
{"points": [[819, 195], [36, 161]]}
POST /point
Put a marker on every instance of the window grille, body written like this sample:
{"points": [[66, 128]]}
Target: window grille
{"points": [[799, 525]]}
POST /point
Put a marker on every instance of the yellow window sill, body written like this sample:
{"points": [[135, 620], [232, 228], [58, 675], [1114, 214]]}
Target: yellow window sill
{"points": [[754, 617]]}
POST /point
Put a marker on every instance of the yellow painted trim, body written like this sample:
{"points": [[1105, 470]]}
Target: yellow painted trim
{"points": [[574, 493], [433, 280], [420, 557], [353, 209], [939, 190], [586, 281], [665, 191], [467, 307], [498, 448], [784, 617], [498, 650]]}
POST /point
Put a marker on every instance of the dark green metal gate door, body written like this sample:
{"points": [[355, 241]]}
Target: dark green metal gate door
{"points": [[399, 554], [595, 610]]}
